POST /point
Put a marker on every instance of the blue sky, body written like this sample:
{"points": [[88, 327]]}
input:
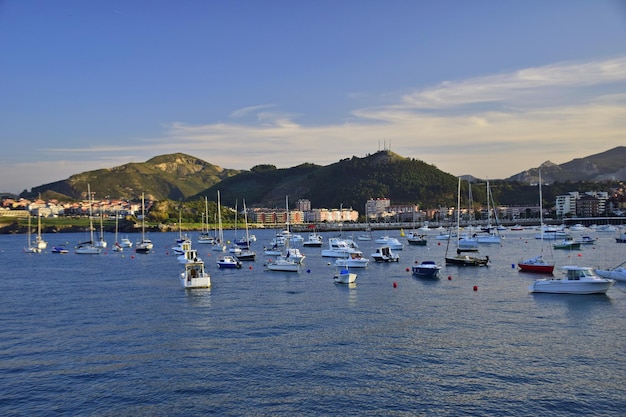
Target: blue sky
{"points": [[488, 88]]}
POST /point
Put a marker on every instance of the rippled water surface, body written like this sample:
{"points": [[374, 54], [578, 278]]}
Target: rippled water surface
{"points": [[116, 334]]}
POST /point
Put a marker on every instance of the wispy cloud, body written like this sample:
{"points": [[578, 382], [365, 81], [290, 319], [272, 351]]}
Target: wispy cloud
{"points": [[493, 126]]}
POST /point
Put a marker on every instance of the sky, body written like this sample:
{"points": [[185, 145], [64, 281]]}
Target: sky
{"points": [[487, 88]]}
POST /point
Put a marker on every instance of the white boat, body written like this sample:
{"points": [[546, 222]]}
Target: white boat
{"points": [[194, 276], [392, 242], [246, 253], [344, 276], [125, 242], [416, 239], [30, 247], [337, 248], [273, 251], [39, 242], [467, 244], [617, 273], [100, 242], [587, 240], [578, 227], [145, 245], [227, 261], [488, 238], [294, 254], [606, 228], [218, 242], [459, 258], [577, 280], [489, 235], [190, 255], [365, 237], [314, 240], [284, 263], [88, 248], [426, 269], [117, 247], [385, 254], [355, 259], [205, 237]]}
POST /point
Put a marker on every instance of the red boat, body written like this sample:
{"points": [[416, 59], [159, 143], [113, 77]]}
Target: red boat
{"points": [[536, 265]]}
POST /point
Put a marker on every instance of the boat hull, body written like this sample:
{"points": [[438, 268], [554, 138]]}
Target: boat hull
{"points": [[345, 278], [426, 270], [618, 273], [559, 286], [466, 260]]}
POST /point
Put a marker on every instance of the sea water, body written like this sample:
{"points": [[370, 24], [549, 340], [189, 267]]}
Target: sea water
{"points": [[116, 334]]}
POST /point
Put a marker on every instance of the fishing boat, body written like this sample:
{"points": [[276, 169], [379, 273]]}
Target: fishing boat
{"points": [[194, 276], [577, 280]]}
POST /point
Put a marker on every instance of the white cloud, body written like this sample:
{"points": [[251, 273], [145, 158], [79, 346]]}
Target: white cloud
{"points": [[493, 126]]}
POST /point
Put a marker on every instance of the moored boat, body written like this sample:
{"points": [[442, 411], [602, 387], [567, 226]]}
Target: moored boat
{"points": [[577, 280], [344, 276], [385, 254], [227, 261], [537, 265], [194, 276], [426, 269]]}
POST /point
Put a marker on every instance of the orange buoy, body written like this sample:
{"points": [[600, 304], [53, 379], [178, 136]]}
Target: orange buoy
{"points": [[449, 277], [475, 287], [407, 270], [395, 284]]}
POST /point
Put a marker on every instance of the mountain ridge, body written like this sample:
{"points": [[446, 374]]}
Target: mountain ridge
{"points": [[348, 182]]}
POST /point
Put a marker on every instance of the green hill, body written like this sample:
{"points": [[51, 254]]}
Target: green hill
{"points": [[175, 177]]}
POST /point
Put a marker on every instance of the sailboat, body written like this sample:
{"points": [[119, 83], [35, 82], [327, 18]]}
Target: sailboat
{"points": [[205, 237], [538, 264], [234, 248], [30, 248], [39, 242], [246, 254], [88, 248], [283, 262], [367, 235], [218, 242], [116, 246], [145, 245], [101, 243], [459, 258], [491, 236]]}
